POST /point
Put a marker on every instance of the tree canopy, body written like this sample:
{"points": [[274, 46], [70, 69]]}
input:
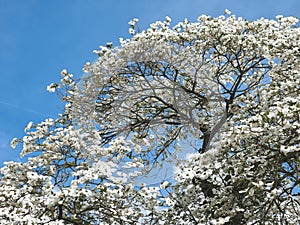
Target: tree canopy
{"points": [[226, 87]]}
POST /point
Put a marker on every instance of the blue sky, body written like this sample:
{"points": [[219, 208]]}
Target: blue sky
{"points": [[39, 38]]}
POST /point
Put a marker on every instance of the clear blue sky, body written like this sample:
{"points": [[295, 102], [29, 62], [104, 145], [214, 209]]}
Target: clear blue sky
{"points": [[39, 38]]}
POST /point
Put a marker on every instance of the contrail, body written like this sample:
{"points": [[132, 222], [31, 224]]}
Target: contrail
{"points": [[24, 109]]}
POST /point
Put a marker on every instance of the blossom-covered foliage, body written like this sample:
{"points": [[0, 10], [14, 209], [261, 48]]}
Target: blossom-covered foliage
{"points": [[227, 87]]}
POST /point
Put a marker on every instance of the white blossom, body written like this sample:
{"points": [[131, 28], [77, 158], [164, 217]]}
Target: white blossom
{"points": [[14, 143], [51, 88], [225, 87]]}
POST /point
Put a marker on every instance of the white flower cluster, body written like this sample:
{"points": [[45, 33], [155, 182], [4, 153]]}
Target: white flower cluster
{"points": [[227, 86]]}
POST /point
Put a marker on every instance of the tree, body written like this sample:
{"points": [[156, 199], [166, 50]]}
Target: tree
{"points": [[226, 86]]}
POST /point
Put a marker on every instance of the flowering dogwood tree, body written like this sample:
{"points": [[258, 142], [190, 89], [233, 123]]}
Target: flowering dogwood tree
{"points": [[226, 87]]}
